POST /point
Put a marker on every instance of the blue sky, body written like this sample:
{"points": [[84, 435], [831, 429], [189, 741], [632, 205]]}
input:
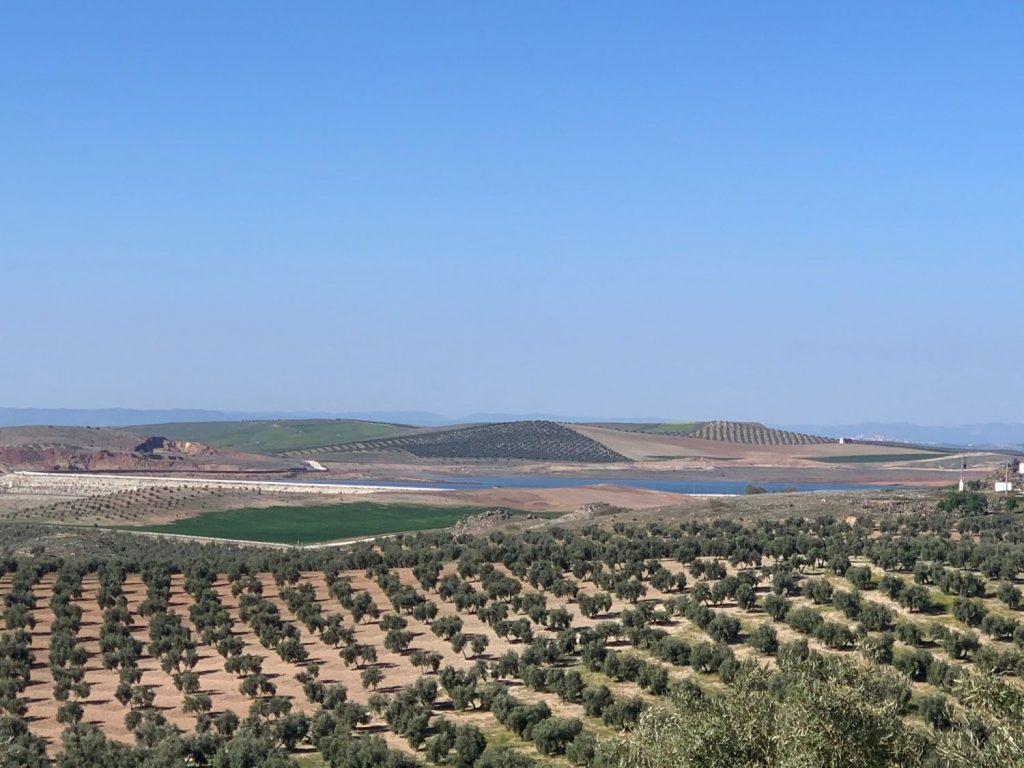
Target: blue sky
{"points": [[790, 212]]}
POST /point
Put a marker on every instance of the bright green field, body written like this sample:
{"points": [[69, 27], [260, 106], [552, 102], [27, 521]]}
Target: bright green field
{"points": [[665, 428], [672, 428], [274, 436], [876, 458], [307, 525]]}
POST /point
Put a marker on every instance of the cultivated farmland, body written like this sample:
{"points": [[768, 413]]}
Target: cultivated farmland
{"points": [[675, 428], [529, 440], [130, 506], [752, 433], [518, 650], [274, 437], [742, 432]]}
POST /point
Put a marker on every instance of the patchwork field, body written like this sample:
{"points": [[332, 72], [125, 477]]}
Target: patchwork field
{"points": [[359, 449], [647, 447]]}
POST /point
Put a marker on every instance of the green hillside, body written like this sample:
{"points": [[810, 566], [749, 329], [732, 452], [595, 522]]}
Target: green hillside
{"points": [[676, 428], [274, 436]]}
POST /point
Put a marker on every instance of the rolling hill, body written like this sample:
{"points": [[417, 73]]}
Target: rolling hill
{"points": [[530, 440], [740, 432], [249, 445], [753, 433], [671, 428], [274, 437]]}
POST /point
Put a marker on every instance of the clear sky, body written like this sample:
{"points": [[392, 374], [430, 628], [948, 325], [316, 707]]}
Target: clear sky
{"points": [[787, 211]]}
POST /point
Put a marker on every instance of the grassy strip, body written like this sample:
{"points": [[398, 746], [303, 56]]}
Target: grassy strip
{"points": [[274, 436], [308, 525], [672, 428], [876, 458]]}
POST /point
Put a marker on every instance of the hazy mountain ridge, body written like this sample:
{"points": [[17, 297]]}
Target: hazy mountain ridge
{"points": [[997, 434], [127, 417]]}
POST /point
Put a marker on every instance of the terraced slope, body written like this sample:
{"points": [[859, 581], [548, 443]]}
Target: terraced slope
{"points": [[742, 432], [752, 433], [670, 428], [533, 440]]}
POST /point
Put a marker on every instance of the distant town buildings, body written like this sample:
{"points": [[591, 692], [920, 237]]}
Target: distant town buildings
{"points": [[1014, 467]]}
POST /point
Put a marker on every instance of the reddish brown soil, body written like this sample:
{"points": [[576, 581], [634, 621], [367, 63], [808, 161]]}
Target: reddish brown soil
{"points": [[104, 710]]}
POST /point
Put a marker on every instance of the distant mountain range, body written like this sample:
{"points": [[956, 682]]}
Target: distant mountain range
{"points": [[996, 434], [125, 417]]}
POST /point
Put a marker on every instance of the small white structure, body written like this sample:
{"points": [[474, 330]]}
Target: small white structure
{"points": [[1003, 487], [316, 466]]}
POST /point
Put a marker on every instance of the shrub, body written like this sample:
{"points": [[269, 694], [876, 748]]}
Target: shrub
{"points": [[764, 639], [804, 620], [859, 576], [776, 606], [724, 629], [552, 735], [935, 711], [970, 612]]}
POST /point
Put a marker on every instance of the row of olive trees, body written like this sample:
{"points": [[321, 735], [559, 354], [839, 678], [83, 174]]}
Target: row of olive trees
{"points": [[67, 654]]}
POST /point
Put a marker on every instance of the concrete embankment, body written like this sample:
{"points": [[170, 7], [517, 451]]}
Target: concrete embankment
{"points": [[84, 484]]}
